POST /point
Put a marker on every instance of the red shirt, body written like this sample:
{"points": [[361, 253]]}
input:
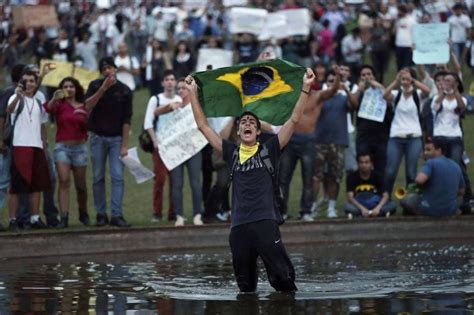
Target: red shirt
{"points": [[70, 121]]}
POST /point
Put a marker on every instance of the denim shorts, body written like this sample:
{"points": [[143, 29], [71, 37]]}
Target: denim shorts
{"points": [[74, 155]]}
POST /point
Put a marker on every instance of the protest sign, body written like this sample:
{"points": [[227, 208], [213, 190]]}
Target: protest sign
{"points": [[85, 76], [373, 106], [194, 4], [34, 16], [218, 58], [285, 23], [247, 20], [431, 43], [54, 77], [179, 139], [103, 4], [67, 69], [354, 1], [234, 3], [136, 168]]}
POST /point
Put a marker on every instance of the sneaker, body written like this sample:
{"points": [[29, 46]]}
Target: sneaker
{"points": [[307, 218], [38, 225], [223, 216], [102, 220], [64, 222], [197, 220], [332, 213], [387, 215], [155, 219], [179, 221], [119, 222], [350, 216], [13, 226], [320, 203]]}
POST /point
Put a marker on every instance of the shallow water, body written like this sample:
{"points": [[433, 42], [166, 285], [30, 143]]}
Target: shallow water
{"points": [[340, 279]]}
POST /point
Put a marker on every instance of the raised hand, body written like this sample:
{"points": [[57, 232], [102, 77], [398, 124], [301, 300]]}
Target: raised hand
{"points": [[190, 83], [309, 77], [109, 81]]}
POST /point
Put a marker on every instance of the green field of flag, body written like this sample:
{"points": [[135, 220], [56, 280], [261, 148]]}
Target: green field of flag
{"points": [[269, 89]]}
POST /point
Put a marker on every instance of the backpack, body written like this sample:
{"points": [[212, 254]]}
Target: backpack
{"points": [[277, 193], [144, 139]]}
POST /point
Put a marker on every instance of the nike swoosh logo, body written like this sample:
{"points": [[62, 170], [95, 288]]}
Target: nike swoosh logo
{"points": [[276, 242]]}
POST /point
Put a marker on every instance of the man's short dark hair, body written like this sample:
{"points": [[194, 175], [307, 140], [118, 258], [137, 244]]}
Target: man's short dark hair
{"points": [[168, 72], [361, 154], [17, 72], [437, 144], [367, 67], [30, 73], [248, 113]]}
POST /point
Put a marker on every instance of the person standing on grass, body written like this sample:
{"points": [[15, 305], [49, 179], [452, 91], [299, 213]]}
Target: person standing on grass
{"points": [[254, 231], [110, 104], [29, 167], [157, 108], [71, 152]]}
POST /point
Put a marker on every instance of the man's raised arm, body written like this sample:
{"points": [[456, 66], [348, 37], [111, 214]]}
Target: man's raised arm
{"points": [[289, 127], [214, 139]]}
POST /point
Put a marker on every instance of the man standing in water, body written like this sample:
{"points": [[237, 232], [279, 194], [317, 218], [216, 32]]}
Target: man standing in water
{"points": [[254, 231]]}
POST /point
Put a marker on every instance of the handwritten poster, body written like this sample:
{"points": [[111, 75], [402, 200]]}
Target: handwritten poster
{"points": [[431, 43], [67, 69], [29, 16], [247, 20], [180, 138], [232, 3], [85, 76], [285, 23], [216, 57], [373, 105]]}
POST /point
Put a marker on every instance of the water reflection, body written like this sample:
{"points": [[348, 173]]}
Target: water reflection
{"points": [[345, 278]]}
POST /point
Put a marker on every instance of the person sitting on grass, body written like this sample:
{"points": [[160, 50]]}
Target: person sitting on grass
{"points": [[366, 195], [441, 183]]}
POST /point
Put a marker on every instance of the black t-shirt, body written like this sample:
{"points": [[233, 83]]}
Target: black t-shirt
{"points": [[113, 110], [356, 185], [252, 187]]}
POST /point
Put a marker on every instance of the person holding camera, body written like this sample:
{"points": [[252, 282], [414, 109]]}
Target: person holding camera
{"points": [[29, 167], [70, 154], [405, 129]]}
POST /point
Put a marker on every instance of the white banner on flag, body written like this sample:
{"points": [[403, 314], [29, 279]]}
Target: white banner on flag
{"points": [[179, 138], [136, 168], [247, 20], [373, 106], [216, 57]]}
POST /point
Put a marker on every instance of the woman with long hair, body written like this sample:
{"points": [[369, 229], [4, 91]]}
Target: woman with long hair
{"points": [[183, 61], [405, 94], [155, 62], [70, 154]]}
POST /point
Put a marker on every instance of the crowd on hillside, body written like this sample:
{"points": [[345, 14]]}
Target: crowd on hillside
{"points": [[155, 44]]}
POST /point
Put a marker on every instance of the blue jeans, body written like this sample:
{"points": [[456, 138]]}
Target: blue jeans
{"points": [[101, 148], [410, 148], [5, 162], [300, 147], [194, 174], [453, 146], [50, 208]]}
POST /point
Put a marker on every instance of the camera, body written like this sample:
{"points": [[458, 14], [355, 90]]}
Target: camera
{"points": [[23, 84]]}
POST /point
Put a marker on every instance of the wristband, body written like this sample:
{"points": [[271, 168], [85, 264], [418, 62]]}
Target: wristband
{"points": [[305, 92]]}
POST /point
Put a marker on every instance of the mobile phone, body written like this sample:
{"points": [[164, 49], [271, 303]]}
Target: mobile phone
{"points": [[23, 84]]}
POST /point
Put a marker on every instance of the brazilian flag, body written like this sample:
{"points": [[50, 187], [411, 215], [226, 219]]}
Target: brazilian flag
{"points": [[269, 89]]}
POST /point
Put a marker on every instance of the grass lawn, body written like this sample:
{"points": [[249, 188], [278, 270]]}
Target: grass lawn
{"points": [[138, 197]]}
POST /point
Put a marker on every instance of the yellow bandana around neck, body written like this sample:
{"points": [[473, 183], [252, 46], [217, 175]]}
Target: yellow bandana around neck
{"points": [[246, 152]]}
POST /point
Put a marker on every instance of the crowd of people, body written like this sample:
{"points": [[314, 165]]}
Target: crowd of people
{"points": [[138, 45]]}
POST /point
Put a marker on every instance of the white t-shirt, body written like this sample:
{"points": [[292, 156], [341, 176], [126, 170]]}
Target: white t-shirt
{"points": [[404, 26], [150, 108], [352, 48], [458, 25], [27, 131], [126, 77], [406, 121], [446, 122]]}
